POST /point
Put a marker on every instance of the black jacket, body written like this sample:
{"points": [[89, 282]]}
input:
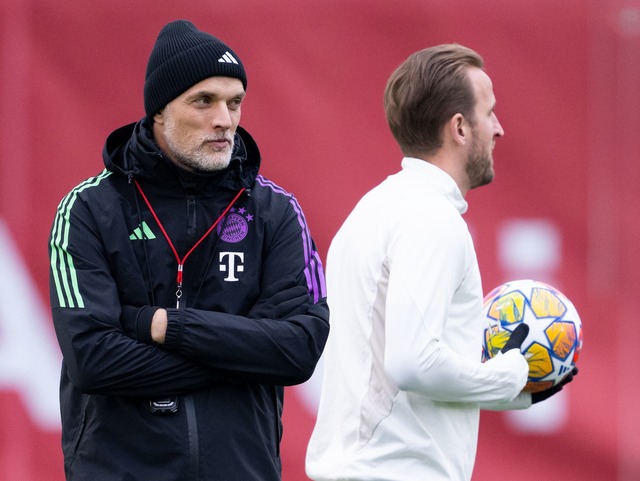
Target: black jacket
{"points": [[252, 316]]}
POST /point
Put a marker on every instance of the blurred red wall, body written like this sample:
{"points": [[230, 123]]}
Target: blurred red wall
{"points": [[563, 207]]}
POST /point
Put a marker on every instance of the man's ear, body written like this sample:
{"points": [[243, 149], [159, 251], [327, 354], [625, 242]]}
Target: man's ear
{"points": [[159, 117], [459, 129]]}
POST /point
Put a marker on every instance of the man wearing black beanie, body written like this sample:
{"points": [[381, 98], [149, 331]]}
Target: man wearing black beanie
{"points": [[186, 290]]}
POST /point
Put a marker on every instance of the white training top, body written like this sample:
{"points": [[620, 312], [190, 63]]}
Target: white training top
{"points": [[403, 381]]}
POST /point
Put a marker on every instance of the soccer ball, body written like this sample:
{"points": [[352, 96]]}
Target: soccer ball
{"points": [[553, 345]]}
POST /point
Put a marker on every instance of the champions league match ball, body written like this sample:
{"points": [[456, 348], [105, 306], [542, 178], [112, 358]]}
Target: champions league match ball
{"points": [[553, 345]]}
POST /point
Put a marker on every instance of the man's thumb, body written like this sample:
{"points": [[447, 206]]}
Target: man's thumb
{"points": [[518, 336]]}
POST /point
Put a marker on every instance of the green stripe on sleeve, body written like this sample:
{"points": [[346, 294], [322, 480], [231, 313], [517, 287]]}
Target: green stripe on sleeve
{"points": [[63, 270]]}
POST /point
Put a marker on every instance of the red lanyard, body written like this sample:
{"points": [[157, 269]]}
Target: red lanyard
{"points": [[173, 249]]}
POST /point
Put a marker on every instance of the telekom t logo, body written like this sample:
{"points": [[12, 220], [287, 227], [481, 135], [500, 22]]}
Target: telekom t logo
{"points": [[231, 263]]}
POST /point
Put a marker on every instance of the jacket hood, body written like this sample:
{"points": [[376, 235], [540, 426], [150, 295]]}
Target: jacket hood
{"points": [[132, 150]]}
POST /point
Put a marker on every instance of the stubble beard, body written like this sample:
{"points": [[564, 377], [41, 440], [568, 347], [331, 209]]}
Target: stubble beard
{"points": [[197, 154], [479, 166]]}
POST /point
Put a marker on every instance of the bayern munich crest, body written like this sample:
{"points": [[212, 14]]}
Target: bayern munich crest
{"points": [[235, 226]]}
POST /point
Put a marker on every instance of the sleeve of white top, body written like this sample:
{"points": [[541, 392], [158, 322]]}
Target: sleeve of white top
{"points": [[426, 265], [442, 375], [521, 401]]}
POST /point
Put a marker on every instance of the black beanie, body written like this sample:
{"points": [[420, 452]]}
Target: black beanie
{"points": [[181, 57]]}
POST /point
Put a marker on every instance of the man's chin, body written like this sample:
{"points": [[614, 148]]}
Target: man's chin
{"points": [[214, 165], [212, 160]]}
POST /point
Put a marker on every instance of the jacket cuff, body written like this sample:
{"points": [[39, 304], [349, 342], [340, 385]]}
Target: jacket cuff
{"points": [[175, 329], [136, 322], [143, 325]]}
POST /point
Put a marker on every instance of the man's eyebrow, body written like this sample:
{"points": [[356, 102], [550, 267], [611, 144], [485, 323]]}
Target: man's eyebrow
{"points": [[214, 94], [205, 92]]}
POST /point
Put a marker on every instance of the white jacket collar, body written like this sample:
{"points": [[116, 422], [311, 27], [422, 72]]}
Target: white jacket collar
{"points": [[438, 179]]}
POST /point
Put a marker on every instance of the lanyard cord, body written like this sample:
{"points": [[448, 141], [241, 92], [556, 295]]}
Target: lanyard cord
{"points": [[173, 249]]}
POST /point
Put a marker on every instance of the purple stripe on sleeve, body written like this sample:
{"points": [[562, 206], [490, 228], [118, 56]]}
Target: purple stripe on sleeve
{"points": [[313, 272]]}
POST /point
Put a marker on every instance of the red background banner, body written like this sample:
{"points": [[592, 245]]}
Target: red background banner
{"points": [[563, 207]]}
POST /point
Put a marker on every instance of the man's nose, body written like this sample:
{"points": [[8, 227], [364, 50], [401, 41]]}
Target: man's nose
{"points": [[221, 117]]}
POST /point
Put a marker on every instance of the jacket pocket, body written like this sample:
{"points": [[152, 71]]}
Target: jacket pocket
{"points": [[81, 425]]}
